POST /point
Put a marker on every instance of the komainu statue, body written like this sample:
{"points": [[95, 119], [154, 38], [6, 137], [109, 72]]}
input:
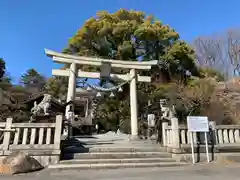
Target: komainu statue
{"points": [[44, 106], [167, 112]]}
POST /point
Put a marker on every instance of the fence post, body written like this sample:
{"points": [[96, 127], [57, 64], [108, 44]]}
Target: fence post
{"points": [[164, 133], [175, 133], [58, 131], [7, 134]]}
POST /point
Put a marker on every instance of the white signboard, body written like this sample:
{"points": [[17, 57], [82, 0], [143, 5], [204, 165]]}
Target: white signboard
{"points": [[198, 124], [151, 120]]}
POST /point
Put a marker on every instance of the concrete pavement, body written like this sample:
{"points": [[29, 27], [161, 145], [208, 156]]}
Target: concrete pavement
{"points": [[199, 172]]}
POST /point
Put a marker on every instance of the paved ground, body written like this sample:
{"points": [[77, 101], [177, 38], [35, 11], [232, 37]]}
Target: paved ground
{"points": [[200, 172]]}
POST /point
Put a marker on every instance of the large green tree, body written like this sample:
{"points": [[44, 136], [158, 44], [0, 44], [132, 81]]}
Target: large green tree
{"points": [[131, 35], [33, 79]]}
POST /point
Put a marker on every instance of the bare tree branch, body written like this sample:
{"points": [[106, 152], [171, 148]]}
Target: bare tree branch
{"points": [[234, 50], [220, 52]]}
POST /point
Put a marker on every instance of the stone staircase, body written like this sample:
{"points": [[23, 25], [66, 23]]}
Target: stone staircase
{"points": [[114, 154]]}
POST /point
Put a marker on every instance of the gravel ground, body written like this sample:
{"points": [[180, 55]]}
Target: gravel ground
{"points": [[206, 171]]}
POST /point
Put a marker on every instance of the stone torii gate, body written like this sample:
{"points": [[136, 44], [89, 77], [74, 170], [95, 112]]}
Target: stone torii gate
{"points": [[74, 72]]}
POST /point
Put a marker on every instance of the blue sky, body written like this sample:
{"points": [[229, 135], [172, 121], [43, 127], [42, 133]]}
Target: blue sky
{"points": [[29, 26]]}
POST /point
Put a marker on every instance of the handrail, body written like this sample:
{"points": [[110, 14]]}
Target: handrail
{"points": [[7, 130]]}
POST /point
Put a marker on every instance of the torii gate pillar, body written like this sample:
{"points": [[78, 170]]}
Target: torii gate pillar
{"points": [[133, 105], [71, 86]]}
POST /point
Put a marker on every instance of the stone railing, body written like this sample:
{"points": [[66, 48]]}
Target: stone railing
{"points": [[220, 136], [228, 134], [225, 134], [40, 140]]}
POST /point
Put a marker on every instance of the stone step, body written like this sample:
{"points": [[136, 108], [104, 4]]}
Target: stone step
{"points": [[116, 155], [112, 149], [116, 161], [132, 145], [106, 141], [115, 165]]}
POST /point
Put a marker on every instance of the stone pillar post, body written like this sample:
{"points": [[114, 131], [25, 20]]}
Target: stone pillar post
{"points": [[164, 133], [175, 133], [133, 104], [71, 86]]}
